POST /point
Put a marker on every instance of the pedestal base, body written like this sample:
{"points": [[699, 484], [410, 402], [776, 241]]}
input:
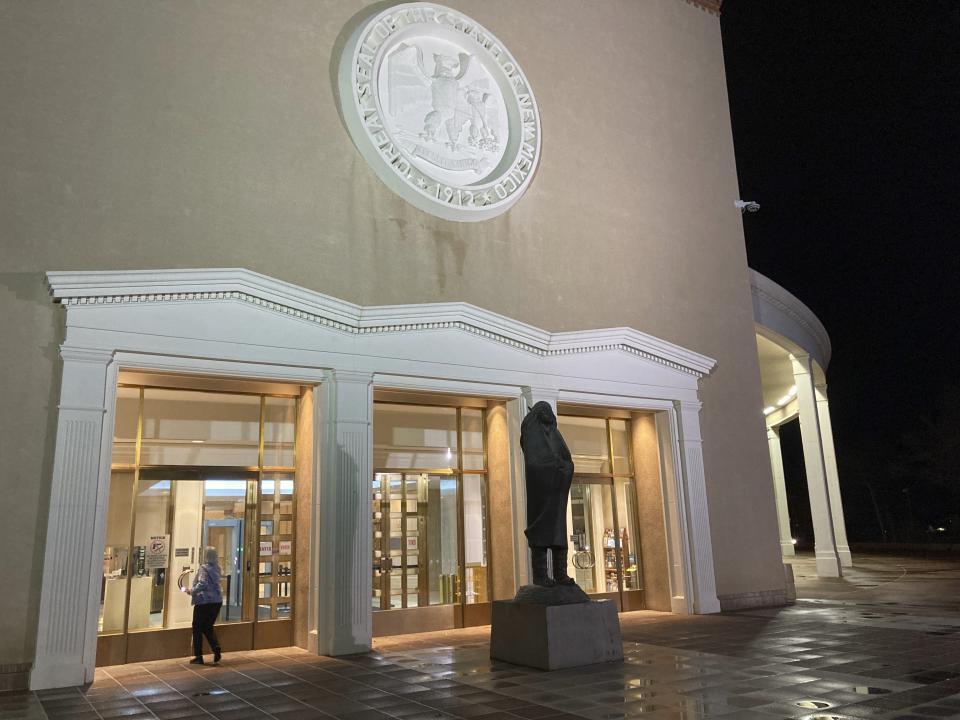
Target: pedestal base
{"points": [[551, 637]]}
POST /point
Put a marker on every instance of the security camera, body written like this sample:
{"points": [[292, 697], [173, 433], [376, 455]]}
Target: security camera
{"points": [[746, 205]]}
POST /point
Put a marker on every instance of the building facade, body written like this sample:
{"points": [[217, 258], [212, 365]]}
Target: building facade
{"points": [[225, 327]]}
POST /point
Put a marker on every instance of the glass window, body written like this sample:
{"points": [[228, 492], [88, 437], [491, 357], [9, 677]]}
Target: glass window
{"points": [[279, 431], [629, 535], [414, 436], [620, 436], [587, 439], [593, 564], [116, 553], [148, 586], [186, 427], [471, 426], [475, 538], [275, 560], [125, 425]]}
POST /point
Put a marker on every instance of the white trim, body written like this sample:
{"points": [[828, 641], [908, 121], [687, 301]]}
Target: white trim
{"points": [[218, 284], [778, 310]]}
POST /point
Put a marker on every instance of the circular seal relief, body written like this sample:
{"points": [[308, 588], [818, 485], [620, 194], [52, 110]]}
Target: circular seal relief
{"points": [[441, 110]]}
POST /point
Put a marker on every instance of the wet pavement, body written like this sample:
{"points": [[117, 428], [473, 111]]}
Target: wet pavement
{"points": [[882, 642]]}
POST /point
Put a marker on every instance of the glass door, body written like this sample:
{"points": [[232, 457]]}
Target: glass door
{"points": [[416, 562], [605, 558], [177, 515]]}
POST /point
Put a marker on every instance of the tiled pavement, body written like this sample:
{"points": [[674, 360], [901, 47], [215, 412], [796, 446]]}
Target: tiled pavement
{"points": [[883, 642]]}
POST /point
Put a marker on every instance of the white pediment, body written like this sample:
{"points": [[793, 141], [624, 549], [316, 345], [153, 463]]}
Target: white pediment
{"points": [[238, 313]]}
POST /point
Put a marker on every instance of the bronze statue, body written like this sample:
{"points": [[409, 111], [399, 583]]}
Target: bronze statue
{"points": [[549, 470]]}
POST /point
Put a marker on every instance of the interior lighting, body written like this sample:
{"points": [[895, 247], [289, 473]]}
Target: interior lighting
{"points": [[449, 454], [769, 409], [784, 400], [793, 540], [196, 441]]}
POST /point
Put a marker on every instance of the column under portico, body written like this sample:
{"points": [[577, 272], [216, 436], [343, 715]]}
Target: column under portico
{"points": [[833, 477], [780, 492], [825, 545]]}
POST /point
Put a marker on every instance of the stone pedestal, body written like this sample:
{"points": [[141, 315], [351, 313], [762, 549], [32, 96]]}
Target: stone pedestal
{"points": [[551, 637]]}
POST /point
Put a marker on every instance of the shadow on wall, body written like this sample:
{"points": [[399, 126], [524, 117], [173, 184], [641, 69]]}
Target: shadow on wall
{"points": [[28, 344]]}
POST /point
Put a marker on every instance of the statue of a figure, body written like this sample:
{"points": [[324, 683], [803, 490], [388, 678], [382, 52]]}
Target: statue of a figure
{"points": [[549, 474]]}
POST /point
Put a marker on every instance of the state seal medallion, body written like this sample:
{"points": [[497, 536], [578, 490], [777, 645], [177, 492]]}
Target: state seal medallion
{"points": [[441, 111]]}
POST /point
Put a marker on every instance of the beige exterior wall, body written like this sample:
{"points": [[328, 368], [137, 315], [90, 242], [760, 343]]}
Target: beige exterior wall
{"points": [[206, 134]]}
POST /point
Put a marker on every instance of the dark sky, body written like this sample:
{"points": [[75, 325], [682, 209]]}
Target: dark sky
{"points": [[846, 121]]}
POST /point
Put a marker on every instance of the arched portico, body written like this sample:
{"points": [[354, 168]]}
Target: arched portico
{"points": [[794, 351]]}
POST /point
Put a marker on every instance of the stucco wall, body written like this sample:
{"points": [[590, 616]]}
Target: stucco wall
{"points": [[195, 134]]}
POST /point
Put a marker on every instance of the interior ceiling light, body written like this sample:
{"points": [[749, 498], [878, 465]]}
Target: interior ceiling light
{"points": [[769, 409]]}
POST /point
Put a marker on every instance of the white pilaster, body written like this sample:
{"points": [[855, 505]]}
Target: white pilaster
{"points": [[69, 599], [533, 395], [344, 622], [828, 562], [780, 492], [833, 477], [696, 512]]}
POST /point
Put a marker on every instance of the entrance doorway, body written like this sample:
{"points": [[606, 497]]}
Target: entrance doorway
{"points": [[193, 469], [430, 505], [605, 557]]}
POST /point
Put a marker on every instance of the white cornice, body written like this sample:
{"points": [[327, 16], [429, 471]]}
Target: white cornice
{"points": [[797, 322], [237, 284]]}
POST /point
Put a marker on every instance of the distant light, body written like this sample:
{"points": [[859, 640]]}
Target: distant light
{"points": [[769, 409], [941, 529], [449, 454], [793, 540], [196, 441]]}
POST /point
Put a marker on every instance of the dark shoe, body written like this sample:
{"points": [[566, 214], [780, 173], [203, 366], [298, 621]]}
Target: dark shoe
{"points": [[560, 576], [197, 660], [538, 562], [216, 655]]}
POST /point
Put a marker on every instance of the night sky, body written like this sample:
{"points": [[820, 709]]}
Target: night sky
{"points": [[846, 122]]}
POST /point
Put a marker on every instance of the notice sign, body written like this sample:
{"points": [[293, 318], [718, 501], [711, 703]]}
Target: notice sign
{"points": [[286, 547], [158, 552], [266, 548]]}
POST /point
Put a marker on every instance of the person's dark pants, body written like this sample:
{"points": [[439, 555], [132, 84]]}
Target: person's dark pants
{"points": [[204, 616]]}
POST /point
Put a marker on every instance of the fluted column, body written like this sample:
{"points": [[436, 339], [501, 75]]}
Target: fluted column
{"points": [[828, 562], [780, 492], [833, 477], [344, 622], [696, 513], [69, 599]]}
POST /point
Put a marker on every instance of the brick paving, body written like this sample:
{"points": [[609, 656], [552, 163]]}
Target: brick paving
{"points": [[882, 642]]}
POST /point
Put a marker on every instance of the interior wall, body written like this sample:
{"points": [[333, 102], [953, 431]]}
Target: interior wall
{"points": [[182, 134]]}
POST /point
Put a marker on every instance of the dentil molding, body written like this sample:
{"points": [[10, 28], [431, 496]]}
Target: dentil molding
{"points": [[121, 287]]}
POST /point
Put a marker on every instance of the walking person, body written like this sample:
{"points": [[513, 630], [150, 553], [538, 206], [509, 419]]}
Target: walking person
{"points": [[207, 600]]}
